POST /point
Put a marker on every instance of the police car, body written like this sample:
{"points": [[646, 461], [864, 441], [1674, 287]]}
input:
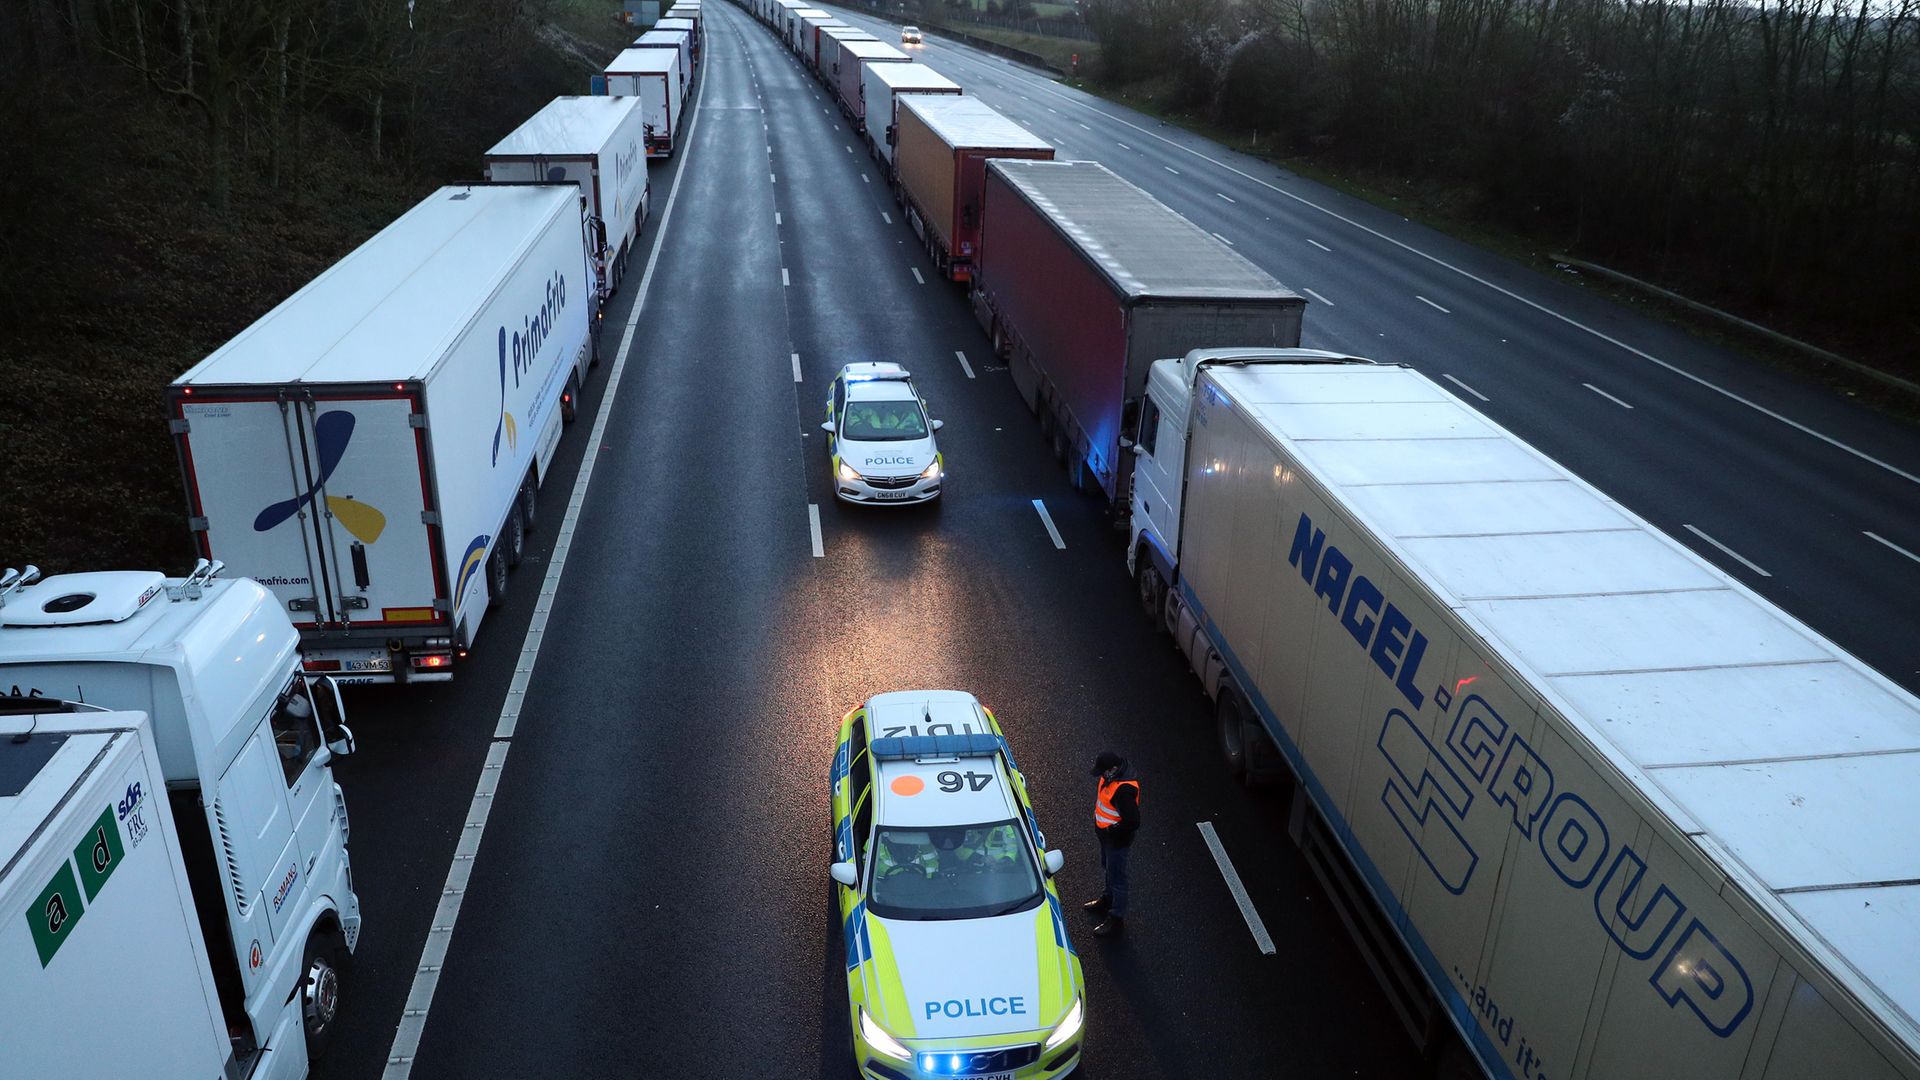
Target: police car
{"points": [[958, 959], [880, 438]]}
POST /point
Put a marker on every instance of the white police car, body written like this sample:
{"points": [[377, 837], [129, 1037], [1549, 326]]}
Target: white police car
{"points": [[880, 438], [957, 954]]}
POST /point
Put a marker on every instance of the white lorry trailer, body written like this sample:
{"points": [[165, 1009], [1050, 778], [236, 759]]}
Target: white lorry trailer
{"points": [[175, 894], [656, 77], [600, 144], [371, 449], [883, 85], [1588, 798], [680, 41]]}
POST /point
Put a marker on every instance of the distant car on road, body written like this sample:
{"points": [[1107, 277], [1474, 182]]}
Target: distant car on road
{"points": [[910, 35], [958, 959], [880, 438]]}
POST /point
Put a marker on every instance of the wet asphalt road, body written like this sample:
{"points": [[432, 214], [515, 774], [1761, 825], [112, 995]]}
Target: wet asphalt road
{"points": [[651, 898]]}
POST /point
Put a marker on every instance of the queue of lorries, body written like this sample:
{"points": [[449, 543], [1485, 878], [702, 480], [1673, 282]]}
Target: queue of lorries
{"points": [[1590, 807]]}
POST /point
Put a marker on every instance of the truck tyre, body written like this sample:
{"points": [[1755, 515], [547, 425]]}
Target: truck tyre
{"points": [[497, 574], [530, 503], [516, 535], [1231, 721], [570, 400], [319, 990], [1153, 591]]}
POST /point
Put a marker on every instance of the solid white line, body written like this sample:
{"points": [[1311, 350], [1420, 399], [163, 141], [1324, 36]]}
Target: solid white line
{"points": [[1894, 546], [968, 368], [1433, 305], [1224, 240], [426, 974], [1744, 561], [1320, 298], [1123, 146], [813, 527], [784, 279], [1229, 198], [1260, 936], [1171, 169], [916, 275], [1318, 244], [1606, 395], [884, 216], [1047, 520], [796, 367], [1465, 387]]}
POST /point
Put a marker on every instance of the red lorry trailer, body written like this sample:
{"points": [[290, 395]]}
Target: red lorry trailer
{"points": [[941, 146], [1084, 280]]}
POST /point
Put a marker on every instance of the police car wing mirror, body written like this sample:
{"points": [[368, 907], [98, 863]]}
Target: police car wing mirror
{"points": [[845, 873], [341, 744], [826, 426], [938, 424], [1054, 860]]}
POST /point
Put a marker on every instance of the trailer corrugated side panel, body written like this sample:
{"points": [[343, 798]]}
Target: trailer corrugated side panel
{"points": [[1630, 819], [926, 169]]}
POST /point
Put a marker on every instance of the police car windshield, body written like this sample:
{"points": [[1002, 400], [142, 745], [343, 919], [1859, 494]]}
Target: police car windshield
{"points": [[884, 421], [954, 872]]}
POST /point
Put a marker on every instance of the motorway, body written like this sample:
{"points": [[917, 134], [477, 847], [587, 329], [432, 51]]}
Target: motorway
{"points": [[637, 882]]}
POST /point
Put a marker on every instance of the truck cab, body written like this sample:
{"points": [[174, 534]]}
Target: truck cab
{"points": [[245, 743]]}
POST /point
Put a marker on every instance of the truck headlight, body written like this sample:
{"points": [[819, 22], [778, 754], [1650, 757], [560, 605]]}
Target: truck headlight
{"points": [[933, 471], [847, 474], [1069, 1027], [884, 1043]]}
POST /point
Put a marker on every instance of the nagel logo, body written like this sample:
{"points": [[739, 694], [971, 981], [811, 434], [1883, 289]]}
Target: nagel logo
{"points": [[332, 431]]}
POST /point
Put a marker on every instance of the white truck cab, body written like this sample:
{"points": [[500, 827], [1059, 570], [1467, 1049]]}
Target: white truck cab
{"points": [[244, 743]]}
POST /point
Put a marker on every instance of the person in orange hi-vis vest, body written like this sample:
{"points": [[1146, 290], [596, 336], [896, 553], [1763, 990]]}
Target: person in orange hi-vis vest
{"points": [[1116, 817]]}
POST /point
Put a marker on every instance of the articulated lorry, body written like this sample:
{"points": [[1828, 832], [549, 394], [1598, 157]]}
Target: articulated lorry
{"points": [[831, 42], [600, 144], [941, 146], [1084, 280], [372, 449], [681, 42], [856, 57], [1585, 799], [175, 893], [883, 85], [658, 79]]}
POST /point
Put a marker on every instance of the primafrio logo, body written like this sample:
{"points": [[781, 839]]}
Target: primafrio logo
{"points": [[519, 349], [332, 431]]}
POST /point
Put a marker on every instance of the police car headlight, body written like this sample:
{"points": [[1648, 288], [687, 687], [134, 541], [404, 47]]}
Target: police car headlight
{"points": [[885, 1043], [933, 471], [1069, 1027], [847, 474]]}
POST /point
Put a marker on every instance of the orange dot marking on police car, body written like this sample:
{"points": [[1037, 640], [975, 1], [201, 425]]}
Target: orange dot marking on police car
{"points": [[907, 785]]}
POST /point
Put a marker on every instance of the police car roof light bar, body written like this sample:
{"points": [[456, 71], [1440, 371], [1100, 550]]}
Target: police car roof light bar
{"points": [[916, 747]]}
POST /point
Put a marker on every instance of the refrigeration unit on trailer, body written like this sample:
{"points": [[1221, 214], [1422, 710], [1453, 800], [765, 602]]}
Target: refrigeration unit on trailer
{"points": [[1598, 806], [656, 77], [599, 143], [941, 147], [678, 40], [882, 85], [855, 56], [686, 25], [1084, 280], [371, 449], [234, 758]]}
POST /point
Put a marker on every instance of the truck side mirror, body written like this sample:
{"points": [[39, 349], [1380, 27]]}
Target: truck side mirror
{"points": [[341, 741], [333, 715], [845, 873], [1054, 860]]}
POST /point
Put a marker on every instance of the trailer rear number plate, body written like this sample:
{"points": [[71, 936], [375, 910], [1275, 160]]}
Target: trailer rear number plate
{"points": [[381, 664]]}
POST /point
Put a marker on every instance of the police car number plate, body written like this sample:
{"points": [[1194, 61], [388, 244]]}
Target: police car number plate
{"points": [[902, 495]]}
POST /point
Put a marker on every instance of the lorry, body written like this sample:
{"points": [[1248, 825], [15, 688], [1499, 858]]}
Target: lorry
{"points": [[1083, 280], [800, 26], [828, 62], [882, 85], [372, 449], [691, 30], [1587, 802], [809, 45], [688, 9], [855, 56], [941, 146], [175, 876], [656, 77], [600, 144], [680, 41]]}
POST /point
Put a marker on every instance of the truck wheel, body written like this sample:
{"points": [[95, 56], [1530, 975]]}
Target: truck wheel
{"points": [[497, 574], [530, 504], [570, 400], [1153, 591], [320, 990], [516, 535], [1232, 724]]}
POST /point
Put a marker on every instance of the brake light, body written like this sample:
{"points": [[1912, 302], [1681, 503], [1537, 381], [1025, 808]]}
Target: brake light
{"points": [[431, 661], [320, 665]]}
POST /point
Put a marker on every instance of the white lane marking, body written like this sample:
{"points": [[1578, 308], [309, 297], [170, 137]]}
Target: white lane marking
{"points": [[865, 179], [968, 368], [1318, 244], [1606, 395], [771, 179], [813, 527], [1881, 539], [1224, 240], [796, 367], [433, 953], [1259, 928], [1171, 169], [884, 216], [1229, 198], [1051, 109], [776, 217], [1047, 520], [1744, 561], [1465, 387], [784, 279], [1320, 298], [916, 275], [1123, 146], [1083, 127], [849, 149], [1433, 305]]}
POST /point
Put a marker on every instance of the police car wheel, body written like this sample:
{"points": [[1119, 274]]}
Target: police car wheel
{"points": [[320, 991]]}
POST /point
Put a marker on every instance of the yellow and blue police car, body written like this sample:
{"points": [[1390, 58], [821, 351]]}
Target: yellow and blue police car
{"points": [[958, 959]]}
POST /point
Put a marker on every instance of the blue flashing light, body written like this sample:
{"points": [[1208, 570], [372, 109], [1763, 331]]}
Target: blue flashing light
{"points": [[956, 1062]]}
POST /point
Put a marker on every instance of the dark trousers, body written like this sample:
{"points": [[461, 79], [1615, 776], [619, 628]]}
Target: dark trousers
{"points": [[1113, 860]]}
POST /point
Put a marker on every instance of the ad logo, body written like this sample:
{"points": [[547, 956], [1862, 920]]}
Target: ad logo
{"points": [[469, 562], [523, 347], [332, 431]]}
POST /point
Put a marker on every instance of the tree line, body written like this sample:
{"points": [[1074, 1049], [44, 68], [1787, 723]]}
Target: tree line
{"points": [[1762, 151]]}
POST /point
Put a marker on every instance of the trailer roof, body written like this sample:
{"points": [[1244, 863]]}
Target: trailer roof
{"points": [[913, 77], [648, 61], [672, 38], [963, 121], [1793, 765], [42, 771], [674, 24], [847, 33], [568, 126], [1142, 246], [873, 50], [391, 307]]}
